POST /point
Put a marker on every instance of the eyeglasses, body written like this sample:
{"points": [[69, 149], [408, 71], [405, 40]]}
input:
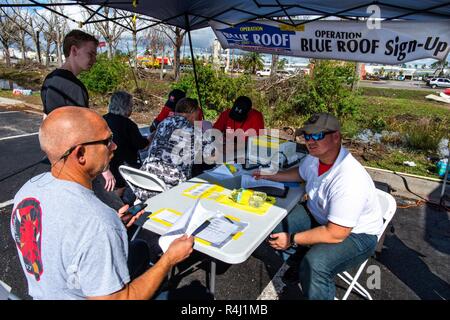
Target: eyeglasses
{"points": [[107, 142], [316, 136]]}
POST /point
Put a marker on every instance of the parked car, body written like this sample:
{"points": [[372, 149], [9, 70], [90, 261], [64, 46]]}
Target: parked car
{"points": [[262, 73], [439, 82], [285, 73]]}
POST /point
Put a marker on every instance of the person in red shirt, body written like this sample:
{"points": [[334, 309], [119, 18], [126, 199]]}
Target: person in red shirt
{"points": [[169, 108], [240, 116]]}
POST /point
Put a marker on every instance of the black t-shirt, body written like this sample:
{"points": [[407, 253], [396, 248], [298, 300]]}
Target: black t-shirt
{"points": [[61, 88], [127, 137]]}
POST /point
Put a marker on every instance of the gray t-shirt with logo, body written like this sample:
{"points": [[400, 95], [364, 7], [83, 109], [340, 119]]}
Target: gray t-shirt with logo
{"points": [[70, 244]]}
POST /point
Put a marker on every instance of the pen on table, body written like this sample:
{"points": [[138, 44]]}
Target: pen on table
{"points": [[231, 221], [203, 226]]}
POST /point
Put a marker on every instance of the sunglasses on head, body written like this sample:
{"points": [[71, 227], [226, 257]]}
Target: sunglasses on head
{"points": [[316, 136], [107, 142]]}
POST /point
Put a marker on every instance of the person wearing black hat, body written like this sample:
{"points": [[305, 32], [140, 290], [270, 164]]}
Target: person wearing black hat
{"points": [[169, 108], [240, 116]]}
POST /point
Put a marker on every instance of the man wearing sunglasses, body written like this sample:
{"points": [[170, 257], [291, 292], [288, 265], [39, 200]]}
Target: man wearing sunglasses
{"points": [[338, 226], [70, 244]]}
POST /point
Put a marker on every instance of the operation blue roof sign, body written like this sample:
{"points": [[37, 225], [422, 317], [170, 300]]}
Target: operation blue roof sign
{"points": [[255, 35], [393, 42]]}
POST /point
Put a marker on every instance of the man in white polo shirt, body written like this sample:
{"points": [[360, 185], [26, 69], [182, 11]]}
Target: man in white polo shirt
{"points": [[342, 217]]}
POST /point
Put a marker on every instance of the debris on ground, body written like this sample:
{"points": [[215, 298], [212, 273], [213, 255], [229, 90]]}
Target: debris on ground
{"points": [[409, 163]]}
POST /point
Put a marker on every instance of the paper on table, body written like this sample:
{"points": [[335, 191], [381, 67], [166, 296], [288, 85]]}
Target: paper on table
{"points": [[218, 230], [167, 216], [186, 224], [221, 171], [251, 182]]}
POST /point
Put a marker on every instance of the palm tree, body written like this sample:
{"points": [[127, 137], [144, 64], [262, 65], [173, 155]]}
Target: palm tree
{"points": [[253, 61]]}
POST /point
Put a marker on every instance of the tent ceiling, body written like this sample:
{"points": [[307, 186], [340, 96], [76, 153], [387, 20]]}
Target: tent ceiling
{"points": [[174, 12]]}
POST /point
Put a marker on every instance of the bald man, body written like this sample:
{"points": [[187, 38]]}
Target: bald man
{"points": [[70, 244]]}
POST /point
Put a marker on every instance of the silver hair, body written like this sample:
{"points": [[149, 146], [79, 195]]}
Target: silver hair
{"points": [[121, 103]]}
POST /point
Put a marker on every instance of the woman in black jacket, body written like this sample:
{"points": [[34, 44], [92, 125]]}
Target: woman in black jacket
{"points": [[126, 136]]}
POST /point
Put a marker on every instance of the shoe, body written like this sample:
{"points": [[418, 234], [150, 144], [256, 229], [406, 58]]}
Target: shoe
{"points": [[291, 275]]}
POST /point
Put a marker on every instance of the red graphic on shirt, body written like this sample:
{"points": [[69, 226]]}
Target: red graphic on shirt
{"points": [[27, 226]]}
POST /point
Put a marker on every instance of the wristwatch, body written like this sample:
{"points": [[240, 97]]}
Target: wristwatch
{"points": [[292, 241]]}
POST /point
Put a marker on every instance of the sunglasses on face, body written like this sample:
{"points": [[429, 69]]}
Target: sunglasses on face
{"points": [[107, 142], [316, 136]]}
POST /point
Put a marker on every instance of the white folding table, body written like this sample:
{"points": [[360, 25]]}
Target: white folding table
{"points": [[235, 251]]}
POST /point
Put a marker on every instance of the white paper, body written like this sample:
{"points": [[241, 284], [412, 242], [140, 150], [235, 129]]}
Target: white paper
{"points": [[199, 190], [218, 230], [186, 224], [221, 172], [167, 216], [251, 182]]}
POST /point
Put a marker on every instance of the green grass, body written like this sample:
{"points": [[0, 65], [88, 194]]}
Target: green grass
{"points": [[394, 93], [407, 112], [376, 105], [35, 97], [394, 161]]}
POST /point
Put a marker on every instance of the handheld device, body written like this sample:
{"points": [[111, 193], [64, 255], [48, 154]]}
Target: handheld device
{"points": [[270, 238], [136, 208]]}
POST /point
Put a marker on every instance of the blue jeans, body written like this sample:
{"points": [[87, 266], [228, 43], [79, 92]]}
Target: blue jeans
{"points": [[324, 261]]}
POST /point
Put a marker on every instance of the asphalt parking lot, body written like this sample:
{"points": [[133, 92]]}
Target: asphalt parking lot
{"points": [[414, 263]]}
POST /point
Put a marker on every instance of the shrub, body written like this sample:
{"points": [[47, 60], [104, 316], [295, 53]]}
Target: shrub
{"points": [[377, 124], [105, 75], [328, 89], [217, 90], [425, 136]]}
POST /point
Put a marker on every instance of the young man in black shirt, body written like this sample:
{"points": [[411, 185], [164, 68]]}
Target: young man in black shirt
{"points": [[62, 87]]}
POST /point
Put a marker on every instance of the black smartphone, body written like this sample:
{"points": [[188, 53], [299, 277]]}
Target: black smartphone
{"points": [[269, 237], [136, 208]]}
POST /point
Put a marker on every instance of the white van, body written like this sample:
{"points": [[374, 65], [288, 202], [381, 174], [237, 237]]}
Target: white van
{"points": [[262, 73]]}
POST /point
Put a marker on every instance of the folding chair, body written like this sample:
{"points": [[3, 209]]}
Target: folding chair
{"points": [[144, 180], [388, 207]]}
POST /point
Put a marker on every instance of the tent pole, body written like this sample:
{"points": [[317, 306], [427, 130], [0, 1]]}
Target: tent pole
{"points": [[193, 61]]}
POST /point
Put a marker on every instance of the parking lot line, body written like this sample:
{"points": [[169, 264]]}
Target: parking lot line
{"points": [[275, 286], [4, 112], [19, 136], [6, 203]]}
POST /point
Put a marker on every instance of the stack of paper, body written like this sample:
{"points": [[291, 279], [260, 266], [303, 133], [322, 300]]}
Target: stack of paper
{"points": [[204, 224], [248, 182], [228, 170]]}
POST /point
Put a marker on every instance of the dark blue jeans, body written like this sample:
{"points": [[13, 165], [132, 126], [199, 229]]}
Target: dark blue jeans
{"points": [[324, 261], [139, 260]]}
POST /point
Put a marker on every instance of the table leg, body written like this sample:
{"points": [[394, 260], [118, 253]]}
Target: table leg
{"points": [[136, 233], [212, 277]]}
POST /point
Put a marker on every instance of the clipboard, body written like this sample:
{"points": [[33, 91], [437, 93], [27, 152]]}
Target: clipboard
{"points": [[274, 192]]}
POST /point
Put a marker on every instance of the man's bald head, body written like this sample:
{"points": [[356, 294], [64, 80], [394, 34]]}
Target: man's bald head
{"points": [[66, 127]]}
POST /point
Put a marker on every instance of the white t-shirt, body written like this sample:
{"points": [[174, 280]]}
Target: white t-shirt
{"points": [[70, 244], [344, 195]]}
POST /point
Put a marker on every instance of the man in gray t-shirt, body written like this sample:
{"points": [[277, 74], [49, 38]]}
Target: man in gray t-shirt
{"points": [[70, 244], [60, 227]]}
